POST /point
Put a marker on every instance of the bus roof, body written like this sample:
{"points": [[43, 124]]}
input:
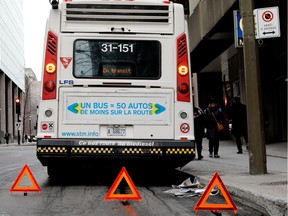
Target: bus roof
{"points": [[136, 1]]}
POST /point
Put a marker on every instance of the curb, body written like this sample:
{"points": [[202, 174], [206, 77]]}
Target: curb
{"points": [[264, 205]]}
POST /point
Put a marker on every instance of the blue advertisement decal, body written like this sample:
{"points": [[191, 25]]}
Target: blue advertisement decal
{"points": [[118, 108], [157, 108], [75, 108]]}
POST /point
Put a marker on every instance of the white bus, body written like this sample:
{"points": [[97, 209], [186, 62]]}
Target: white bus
{"points": [[116, 83]]}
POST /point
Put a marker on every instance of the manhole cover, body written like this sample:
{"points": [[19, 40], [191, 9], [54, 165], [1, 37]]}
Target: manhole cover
{"points": [[275, 183]]}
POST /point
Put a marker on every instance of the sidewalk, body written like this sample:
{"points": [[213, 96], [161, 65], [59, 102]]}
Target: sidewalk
{"points": [[16, 144], [267, 193]]}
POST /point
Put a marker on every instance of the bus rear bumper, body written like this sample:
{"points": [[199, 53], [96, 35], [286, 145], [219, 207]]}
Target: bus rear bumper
{"points": [[177, 152]]}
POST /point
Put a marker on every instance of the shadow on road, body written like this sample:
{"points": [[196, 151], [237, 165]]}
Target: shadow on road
{"points": [[149, 175]]}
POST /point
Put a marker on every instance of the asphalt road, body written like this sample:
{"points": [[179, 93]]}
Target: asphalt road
{"points": [[83, 191]]}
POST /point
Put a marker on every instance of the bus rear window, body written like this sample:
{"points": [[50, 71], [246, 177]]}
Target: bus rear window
{"points": [[117, 59]]}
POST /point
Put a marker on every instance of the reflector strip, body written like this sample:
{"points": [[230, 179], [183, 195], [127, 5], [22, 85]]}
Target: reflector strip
{"points": [[155, 151], [132, 151], [92, 150], [180, 151], [51, 150]]}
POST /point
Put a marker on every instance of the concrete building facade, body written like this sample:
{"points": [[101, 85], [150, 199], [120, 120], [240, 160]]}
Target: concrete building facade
{"points": [[219, 66], [31, 100], [11, 66]]}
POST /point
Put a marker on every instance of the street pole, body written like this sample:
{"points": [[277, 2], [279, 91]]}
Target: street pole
{"points": [[256, 146], [30, 126], [18, 120]]}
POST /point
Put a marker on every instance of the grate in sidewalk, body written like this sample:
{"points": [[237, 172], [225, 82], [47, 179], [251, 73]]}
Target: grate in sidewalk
{"points": [[274, 183]]}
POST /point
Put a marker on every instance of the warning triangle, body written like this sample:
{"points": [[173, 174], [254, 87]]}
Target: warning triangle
{"points": [[111, 193], [202, 205], [19, 188]]}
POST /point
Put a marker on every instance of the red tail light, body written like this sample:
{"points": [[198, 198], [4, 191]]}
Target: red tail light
{"points": [[183, 77], [50, 68]]}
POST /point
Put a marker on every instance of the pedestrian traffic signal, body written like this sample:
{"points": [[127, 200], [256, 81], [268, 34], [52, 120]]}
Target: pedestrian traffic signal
{"points": [[18, 106]]}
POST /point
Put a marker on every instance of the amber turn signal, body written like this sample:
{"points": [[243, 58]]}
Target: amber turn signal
{"points": [[50, 68]]}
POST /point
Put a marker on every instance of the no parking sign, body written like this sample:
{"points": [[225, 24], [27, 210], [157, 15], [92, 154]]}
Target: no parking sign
{"points": [[267, 24]]}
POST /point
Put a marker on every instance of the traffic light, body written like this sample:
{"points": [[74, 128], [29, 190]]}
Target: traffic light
{"points": [[18, 106]]}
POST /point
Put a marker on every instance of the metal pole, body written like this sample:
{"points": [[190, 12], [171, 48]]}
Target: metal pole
{"points": [[18, 120], [256, 146], [0, 124], [30, 127]]}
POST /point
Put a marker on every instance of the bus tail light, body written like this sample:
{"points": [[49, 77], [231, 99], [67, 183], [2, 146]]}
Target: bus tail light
{"points": [[50, 68], [49, 86], [183, 78]]}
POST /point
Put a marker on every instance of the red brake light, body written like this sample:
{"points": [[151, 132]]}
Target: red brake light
{"points": [[49, 85], [50, 69], [183, 77], [183, 88]]}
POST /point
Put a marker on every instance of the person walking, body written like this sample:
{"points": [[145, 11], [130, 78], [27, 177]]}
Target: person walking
{"points": [[199, 130], [239, 123], [213, 115], [6, 137]]}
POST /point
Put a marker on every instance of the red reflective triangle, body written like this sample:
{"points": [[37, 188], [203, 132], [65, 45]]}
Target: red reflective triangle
{"points": [[230, 205], [17, 187], [111, 193]]}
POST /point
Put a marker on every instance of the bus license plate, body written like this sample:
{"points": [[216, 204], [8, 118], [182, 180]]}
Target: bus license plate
{"points": [[116, 131]]}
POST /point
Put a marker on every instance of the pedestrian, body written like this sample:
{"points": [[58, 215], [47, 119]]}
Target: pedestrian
{"points": [[213, 115], [26, 137], [199, 130], [239, 122], [6, 137]]}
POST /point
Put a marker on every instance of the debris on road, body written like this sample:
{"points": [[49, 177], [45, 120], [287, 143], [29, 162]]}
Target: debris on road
{"points": [[189, 188], [189, 184]]}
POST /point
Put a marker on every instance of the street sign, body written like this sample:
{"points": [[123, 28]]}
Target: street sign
{"points": [[18, 126], [267, 24], [238, 29]]}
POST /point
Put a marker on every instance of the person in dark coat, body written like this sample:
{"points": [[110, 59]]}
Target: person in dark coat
{"points": [[210, 113], [199, 130], [239, 122], [6, 137]]}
